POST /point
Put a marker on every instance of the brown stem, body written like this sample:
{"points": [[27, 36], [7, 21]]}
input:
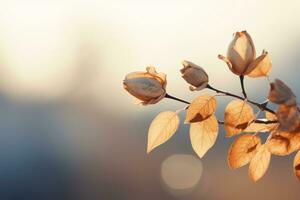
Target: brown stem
{"points": [[265, 122], [262, 106], [256, 121], [176, 99], [243, 87]]}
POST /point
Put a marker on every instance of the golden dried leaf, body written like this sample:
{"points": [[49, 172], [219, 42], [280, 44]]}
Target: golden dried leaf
{"points": [[294, 142], [279, 145], [162, 129], [242, 150], [259, 163], [297, 165], [261, 66], [261, 127], [284, 143], [271, 116], [200, 109], [204, 134], [238, 114]]}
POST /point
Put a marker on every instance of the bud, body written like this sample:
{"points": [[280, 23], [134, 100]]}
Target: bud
{"points": [[241, 52], [287, 113], [241, 57], [280, 93], [194, 75], [149, 87], [288, 117]]}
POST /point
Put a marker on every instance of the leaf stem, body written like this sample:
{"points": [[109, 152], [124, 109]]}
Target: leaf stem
{"points": [[243, 86], [262, 106], [176, 99]]}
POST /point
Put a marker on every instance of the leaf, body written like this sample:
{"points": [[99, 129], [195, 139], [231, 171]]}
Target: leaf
{"points": [[271, 116], [203, 135], [261, 66], [200, 109], [284, 143], [279, 145], [162, 129], [242, 150], [238, 114], [260, 163], [297, 165], [261, 127]]}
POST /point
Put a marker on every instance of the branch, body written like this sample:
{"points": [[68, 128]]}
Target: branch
{"points": [[265, 122], [256, 121], [262, 106], [233, 95], [176, 99]]}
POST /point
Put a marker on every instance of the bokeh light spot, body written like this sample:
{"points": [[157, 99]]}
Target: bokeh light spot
{"points": [[181, 172]]}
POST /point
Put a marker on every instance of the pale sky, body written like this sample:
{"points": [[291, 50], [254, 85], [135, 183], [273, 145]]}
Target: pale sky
{"points": [[41, 41]]}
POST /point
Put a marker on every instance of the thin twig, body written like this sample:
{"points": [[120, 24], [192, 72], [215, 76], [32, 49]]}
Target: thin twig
{"points": [[176, 99], [221, 122], [265, 122], [262, 107], [243, 86], [256, 121]]}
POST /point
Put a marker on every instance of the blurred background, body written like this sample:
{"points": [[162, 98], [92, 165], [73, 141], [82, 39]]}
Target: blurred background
{"points": [[68, 130]]}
